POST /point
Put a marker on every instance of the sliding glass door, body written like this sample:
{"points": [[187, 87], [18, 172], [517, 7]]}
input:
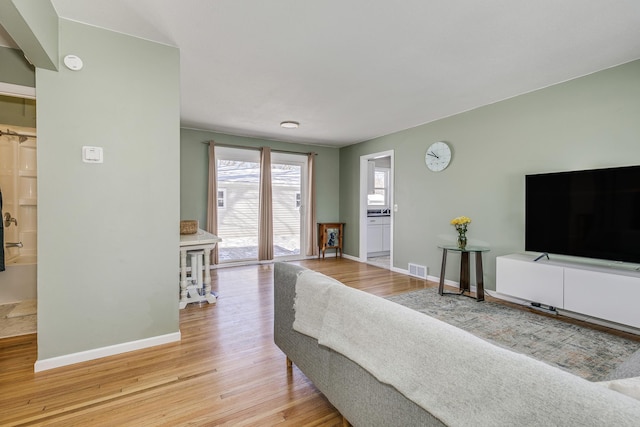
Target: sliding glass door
{"points": [[238, 192], [287, 175], [238, 181]]}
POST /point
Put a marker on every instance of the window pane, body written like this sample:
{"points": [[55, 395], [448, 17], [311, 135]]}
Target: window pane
{"points": [[380, 179], [286, 181], [238, 222], [238, 179], [380, 183]]}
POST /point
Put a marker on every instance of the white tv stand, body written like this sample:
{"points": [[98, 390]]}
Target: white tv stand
{"points": [[602, 292]]}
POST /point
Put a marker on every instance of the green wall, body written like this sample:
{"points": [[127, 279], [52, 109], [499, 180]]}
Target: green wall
{"points": [[589, 122], [17, 111], [194, 172], [108, 233], [15, 68], [33, 25]]}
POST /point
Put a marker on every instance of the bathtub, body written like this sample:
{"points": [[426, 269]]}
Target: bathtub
{"points": [[18, 281]]}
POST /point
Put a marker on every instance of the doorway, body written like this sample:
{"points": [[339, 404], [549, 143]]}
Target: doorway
{"points": [[238, 182], [377, 209], [18, 186]]}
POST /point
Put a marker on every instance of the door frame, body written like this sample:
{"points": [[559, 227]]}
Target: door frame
{"points": [[252, 154], [298, 159], [17, 91], [364, 159], [21, 92]]}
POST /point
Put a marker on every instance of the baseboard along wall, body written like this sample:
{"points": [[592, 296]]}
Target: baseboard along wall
{"points": [[97, 353]]}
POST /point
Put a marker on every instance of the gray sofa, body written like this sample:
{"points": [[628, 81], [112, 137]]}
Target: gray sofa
{"points": [[413, 370]]}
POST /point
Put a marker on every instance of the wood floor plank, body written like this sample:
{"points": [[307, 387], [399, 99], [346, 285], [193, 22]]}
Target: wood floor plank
{"points": [[226, 370]]}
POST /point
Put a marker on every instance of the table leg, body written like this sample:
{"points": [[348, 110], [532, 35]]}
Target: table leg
{"points": [[479, 277], [194, 270], [211, 297], [200, 273], [183, 278], [442, 270], [464, 272]]}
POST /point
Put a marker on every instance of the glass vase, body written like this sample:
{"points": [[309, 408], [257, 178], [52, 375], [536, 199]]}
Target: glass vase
{"points": [[462, 241]]}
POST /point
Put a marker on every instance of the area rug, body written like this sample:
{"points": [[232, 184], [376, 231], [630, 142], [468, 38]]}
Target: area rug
{"points": [[586, 352]]}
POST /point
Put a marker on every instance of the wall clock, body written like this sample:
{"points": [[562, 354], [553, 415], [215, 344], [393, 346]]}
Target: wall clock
{"points": [[438, 156]]}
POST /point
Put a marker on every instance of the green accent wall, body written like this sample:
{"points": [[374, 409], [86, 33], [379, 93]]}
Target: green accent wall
{"points": [[108, 234], [194, 171], [586, 123], [33, 25], [17, 111], [15, 68]]}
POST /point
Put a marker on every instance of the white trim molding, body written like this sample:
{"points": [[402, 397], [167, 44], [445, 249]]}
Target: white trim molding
{"points": [[97, 353], [364, 160], [17, 90]]}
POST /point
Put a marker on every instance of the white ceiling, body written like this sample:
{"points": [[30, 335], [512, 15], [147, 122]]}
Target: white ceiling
{"points": [[352, 70]]}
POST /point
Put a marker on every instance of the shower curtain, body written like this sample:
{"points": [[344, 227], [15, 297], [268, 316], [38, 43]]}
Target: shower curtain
{"points": [[1, 235]]}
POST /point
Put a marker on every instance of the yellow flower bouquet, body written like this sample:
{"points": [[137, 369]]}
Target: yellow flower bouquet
{"points": [[461, 223]]}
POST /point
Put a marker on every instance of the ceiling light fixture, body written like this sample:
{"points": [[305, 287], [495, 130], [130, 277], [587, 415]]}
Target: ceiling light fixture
{"points": [[289, 124]]}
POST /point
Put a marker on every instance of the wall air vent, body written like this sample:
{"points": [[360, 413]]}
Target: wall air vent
{"points": [[416, 270]]}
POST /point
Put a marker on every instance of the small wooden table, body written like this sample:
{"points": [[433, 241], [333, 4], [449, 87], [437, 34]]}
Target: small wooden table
{"points": [[200, 245], [464, 270], [330, 237]]}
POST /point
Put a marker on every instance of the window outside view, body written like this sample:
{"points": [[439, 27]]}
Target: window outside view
{"points": [[379, 196], [238, 201]]}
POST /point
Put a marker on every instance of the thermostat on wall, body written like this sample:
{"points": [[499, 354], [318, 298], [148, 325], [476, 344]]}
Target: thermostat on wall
{"points": [[92, 154]]}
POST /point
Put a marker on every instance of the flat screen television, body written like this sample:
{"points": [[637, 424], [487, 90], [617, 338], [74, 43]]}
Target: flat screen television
{"points": [[589, 213]]}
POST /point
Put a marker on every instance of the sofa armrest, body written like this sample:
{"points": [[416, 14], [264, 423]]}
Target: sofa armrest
{"points": [[284, 291]]}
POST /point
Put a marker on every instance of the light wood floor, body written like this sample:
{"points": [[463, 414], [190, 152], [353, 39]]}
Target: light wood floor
{"points": [[225, 371]]}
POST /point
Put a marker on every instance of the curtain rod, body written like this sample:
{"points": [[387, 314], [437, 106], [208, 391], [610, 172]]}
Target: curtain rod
{"points": [[244, 147], [22, 136]]}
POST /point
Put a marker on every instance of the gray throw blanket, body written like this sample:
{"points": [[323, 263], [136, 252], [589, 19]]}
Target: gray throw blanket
{"points": [[457, 377]]}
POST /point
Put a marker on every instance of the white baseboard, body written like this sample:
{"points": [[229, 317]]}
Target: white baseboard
{"points": [[399, 270], [97, 353], [449, 282], [352, 258], [433, 278], [429, 277]]}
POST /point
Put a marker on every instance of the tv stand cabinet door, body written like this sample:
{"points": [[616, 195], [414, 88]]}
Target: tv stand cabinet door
{"points": [[518, 276], [608, 296]]}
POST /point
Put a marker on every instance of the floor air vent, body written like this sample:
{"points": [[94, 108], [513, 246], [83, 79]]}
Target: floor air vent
{"points": [[418, 271]]}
